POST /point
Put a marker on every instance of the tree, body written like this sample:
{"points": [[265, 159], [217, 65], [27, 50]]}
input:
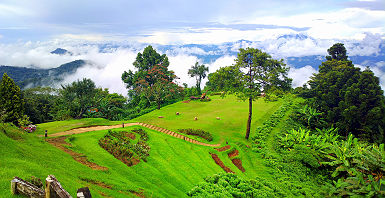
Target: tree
{"points": [[11, 101], [225, 79], [152, 81], [349, 98], [254, 71], [75, 99], [39, 103], [199, 72], [337, 52], [160, 88]]}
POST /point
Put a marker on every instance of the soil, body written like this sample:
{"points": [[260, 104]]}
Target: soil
{"points": [[88, 129], [233, 153], [186, 101], [238, 163], [81, 158], [223, 148], [220, 163], [98, 183]]}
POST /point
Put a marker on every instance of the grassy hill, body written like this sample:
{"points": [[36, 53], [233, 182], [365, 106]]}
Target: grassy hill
{"points": [[173, 167]]}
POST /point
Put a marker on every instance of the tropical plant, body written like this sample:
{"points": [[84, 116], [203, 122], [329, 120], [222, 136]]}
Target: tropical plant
{"points": [[199, 72]]}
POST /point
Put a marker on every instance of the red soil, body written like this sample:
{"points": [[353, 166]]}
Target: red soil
{"points": [[186, 101], [223, 148], [220, 163], [233, 153], [238, 163]]}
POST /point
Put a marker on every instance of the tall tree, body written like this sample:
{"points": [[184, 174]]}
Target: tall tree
{"points": [[152, 81], [349, 98], [199, 72], [254, 71], [11, 101]]}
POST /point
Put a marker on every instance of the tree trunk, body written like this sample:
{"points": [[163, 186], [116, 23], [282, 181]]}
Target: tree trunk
{"points": [[249, 120], [158, 105]]}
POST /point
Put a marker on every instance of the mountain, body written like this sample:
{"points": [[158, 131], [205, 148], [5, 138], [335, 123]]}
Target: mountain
{"points": [[61, 51], [33, 77]]}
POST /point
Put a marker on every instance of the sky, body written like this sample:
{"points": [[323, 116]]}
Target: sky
{"points": [[30, 29]]}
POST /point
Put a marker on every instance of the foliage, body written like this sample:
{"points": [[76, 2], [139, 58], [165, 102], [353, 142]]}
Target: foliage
{"points": [[24, 121], [230, 185], [199, 72], [307, 116], [11, 101], [258, 72], [153, 82], [39, 103], [263, 131], [120, 145], [198, 132], [157, 86], [76, 99], [350, 99], [224, 79]]}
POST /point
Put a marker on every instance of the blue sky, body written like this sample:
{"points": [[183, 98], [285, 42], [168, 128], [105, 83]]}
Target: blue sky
{"points": [[188, 21]]}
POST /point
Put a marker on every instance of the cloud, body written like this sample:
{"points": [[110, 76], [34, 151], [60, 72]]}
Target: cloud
{"points": [[301, 75], [370, 45], [366, 4]]}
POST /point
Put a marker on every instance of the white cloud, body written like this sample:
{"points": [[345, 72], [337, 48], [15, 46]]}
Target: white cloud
{"points": [[370, 45], [301, 75]]}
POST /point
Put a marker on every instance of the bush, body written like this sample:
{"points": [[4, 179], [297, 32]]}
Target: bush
{"points": [[120, 146], [197, 132]]}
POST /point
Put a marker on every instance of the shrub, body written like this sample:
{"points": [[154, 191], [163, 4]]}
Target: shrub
{"points": [[120, 146], [197, 132]]}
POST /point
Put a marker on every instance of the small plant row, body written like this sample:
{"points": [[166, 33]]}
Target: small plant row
{"points": [[120, 146], [263, 131], [197, 132]]}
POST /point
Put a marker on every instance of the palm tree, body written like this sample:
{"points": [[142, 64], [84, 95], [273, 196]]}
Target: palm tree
{"points": [[199, 72]]}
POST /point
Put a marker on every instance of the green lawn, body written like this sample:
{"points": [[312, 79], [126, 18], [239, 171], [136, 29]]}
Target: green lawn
{"points": [[59, 126], [173, 168], [233, 115]]}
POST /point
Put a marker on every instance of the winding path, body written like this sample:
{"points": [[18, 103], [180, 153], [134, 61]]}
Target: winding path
{"points": [[153, 127]]}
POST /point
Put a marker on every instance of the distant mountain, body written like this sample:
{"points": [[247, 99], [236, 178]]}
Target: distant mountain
{"points": [[61, 51], [31, 77]]}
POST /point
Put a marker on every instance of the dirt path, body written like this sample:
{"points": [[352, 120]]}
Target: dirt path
{"points": [[156, 128]]}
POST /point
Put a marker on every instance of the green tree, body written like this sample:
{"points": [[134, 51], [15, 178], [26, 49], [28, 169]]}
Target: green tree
{"points": [[152, 80], [199, 72], [11, 101], [349, 98], [225, 79], [75, 99], [160, 89], [254, 71], [39, 103]]}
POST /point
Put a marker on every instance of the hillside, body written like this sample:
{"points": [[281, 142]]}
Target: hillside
{"points": [[33, 77], [173, 167]]}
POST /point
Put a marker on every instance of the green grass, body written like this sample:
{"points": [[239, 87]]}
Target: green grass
{"points": [[233, 115], [173, 167], [59, 126]]}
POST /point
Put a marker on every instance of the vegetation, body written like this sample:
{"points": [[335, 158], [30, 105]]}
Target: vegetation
{"points": [[153, 82], [256, 72], [121, 146], [348, 98], [199, 72], [327, 144], [197, 132], [11, 102]]}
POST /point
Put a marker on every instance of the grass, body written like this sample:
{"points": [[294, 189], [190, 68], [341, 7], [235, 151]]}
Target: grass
{"points": [[59, 126], [233, 115], [173, 167]]}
